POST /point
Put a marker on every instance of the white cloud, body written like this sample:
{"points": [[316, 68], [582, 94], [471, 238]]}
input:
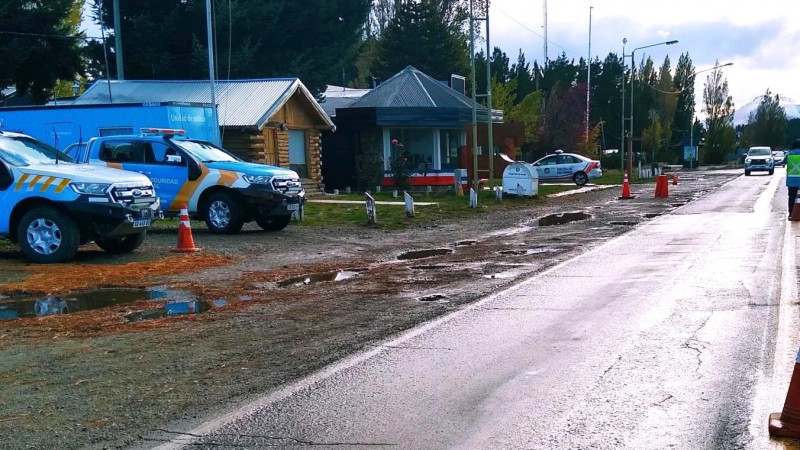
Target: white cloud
{"points": [[761, 38]]}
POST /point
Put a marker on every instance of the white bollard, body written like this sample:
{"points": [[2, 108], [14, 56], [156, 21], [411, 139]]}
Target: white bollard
{"points": [[473, 198], [409, 204], [372, 213]]}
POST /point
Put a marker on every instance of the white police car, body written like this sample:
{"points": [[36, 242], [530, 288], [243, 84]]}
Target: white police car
{"points": [[567, 166]]}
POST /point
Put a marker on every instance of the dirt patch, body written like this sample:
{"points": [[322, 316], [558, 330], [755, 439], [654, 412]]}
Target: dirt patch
{"points": [[97, 379]]}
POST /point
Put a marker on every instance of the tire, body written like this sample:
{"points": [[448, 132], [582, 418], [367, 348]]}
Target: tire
{"points": [[771, 171], [121, 244], [580, 178], [47, 236], [224, 215], [276, 223], [747, 173]]}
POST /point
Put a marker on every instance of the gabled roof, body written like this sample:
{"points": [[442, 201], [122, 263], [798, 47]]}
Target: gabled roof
{"points": [[411, 88], [240, 103]]}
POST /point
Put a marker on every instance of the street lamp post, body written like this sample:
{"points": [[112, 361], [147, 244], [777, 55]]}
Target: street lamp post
{"points": [[691, 125], [633, 72]]}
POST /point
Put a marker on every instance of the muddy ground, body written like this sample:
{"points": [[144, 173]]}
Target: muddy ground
{"points": [[272, 311]]}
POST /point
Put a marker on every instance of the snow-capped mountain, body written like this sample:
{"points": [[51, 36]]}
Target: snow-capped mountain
{"points": [[742, 114]]}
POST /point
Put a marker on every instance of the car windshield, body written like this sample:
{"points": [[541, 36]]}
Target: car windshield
{"points": [[205, 151], [759, 152], [24, 151]]}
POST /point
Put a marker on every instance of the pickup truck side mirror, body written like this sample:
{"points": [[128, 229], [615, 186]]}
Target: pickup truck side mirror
{"points": [[174, 159]]}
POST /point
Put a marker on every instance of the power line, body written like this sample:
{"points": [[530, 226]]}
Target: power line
{"points": [[535, 33], [57, 36]]}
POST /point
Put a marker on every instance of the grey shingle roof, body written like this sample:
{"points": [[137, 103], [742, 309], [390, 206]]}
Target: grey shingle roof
{"points": [[240, 102]]}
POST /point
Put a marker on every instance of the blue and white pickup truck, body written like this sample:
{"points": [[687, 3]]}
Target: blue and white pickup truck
{"points": [[50, 205], [213, 184]]}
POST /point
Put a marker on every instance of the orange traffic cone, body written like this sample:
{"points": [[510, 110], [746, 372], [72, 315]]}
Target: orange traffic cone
{"points": [[787, 422], [626, 188], [185, 240], [675, 179], [795, 216]]}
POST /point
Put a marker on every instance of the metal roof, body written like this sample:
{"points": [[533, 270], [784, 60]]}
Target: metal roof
{"points": [[240, 103], [411, 88]]}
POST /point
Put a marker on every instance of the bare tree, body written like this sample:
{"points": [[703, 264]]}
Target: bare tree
{"points": [[720, 138]]}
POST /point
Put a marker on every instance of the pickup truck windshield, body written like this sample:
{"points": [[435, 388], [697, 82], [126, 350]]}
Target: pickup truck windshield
{"points": [[205, 151], [23, 151], [759, 152]]}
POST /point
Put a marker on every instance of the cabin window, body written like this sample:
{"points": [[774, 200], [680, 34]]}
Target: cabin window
{"points": [[416, 145]]}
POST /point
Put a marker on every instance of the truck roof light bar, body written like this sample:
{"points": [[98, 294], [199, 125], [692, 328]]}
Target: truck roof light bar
{"points": [[162, 131]]}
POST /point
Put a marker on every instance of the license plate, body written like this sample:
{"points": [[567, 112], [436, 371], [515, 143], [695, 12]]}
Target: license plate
{"points": [[141, 223], [293, 206]]}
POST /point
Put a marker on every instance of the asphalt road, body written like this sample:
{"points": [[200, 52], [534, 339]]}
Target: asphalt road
{"points": [[679, 334]]}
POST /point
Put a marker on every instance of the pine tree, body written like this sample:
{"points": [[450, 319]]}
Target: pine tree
{"points": [[767, 124], [420, 35], [39, 45], [683, 82], [167, 39]]}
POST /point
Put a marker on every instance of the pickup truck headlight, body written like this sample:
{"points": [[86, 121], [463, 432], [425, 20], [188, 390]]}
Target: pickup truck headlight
{"points": [[257, 179], [90, 188], [748, 160]]}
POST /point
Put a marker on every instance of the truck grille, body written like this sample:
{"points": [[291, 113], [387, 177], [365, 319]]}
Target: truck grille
{"points": [[287, 186], [133, 194]]}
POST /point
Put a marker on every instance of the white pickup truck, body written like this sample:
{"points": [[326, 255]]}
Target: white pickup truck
{"points": [[50, 205]]}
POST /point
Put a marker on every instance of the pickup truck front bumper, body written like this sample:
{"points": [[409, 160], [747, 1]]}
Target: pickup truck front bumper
{"points": [[270, 203], [108, 219]]}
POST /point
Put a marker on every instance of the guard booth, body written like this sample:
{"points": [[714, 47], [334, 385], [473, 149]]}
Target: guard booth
{"points": [[520, 179]]}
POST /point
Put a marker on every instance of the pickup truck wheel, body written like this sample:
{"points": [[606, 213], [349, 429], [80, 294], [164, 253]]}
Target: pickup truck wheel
{"points": [[273, 223], [771, 171], [224, 215], [580, 178], [48, 236], [747, 173], [121, 244]]}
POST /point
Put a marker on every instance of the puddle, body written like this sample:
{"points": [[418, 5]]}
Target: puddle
{"points": [[430, 267], [431, 297], [652, 215], [419, 254], [563, 218], [82, 301], [624, 223], [465, 243], [677, 205], [530, 251], [320, 277]]}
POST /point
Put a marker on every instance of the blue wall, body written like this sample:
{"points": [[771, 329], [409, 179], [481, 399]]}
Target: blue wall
{"points": [[61, 126]]}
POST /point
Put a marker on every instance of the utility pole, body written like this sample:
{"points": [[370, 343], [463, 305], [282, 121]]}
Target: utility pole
{"points": [[474, 95], [118, 40], [215, 116], [622, 128], [589, 75], [489, 137]]}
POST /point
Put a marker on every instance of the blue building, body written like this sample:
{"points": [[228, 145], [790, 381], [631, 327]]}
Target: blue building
{"points": [[62, 125]]}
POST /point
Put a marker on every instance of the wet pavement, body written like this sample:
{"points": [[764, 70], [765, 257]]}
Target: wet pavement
{"points": [[679, 334]]}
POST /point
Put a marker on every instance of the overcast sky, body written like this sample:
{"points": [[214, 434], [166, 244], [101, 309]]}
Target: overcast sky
{"points": [[761, 38]]}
